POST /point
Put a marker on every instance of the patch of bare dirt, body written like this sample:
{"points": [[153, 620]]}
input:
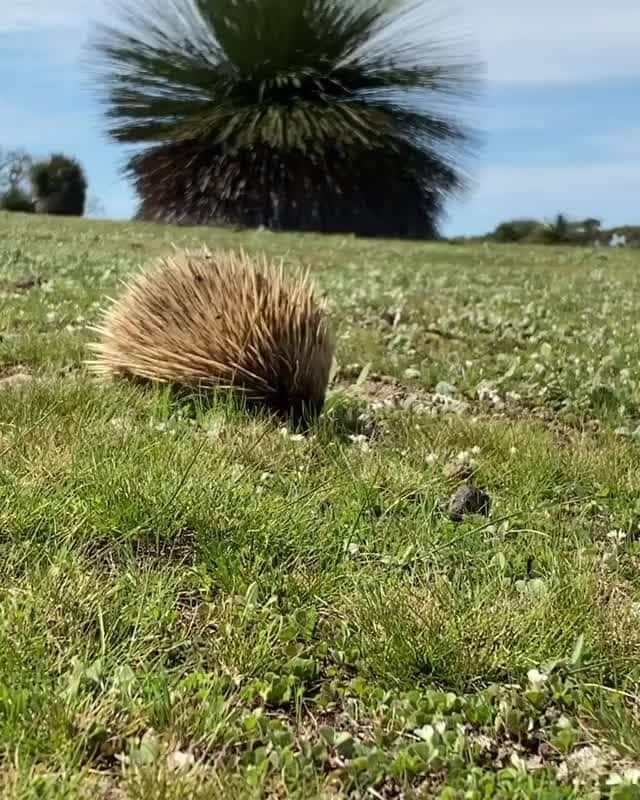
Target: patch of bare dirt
{"points": [[385, 392]]}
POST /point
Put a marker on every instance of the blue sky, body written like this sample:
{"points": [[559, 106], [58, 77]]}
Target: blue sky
{"points": [[560, 115]]}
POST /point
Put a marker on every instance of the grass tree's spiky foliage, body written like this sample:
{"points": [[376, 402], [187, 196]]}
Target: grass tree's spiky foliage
{"points": [[326, 115], [222, 320]]}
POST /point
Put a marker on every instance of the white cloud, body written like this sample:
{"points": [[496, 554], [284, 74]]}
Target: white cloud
{"points": [[556, 41], [533, 42], [43, 15]]}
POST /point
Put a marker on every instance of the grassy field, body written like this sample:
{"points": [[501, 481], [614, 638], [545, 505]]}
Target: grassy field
{"points": [[198, 605]]}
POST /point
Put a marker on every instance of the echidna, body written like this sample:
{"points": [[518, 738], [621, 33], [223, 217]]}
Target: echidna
{"points": [[222, 319]]}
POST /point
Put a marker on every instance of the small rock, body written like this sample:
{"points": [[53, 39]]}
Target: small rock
{"points": [[28, 282], [468, 500], [392, 317], [388, 316]]}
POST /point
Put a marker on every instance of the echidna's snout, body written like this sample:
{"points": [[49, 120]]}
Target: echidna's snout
{"points": [[302, 413], [300, 407]]}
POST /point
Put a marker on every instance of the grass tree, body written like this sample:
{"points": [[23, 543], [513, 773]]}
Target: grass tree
{"points": [[322, 115]]}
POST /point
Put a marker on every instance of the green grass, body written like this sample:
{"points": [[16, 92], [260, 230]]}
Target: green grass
{"points": [[198, 604]]}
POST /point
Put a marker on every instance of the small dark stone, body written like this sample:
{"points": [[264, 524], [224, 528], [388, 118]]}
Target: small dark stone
{"points": [[391, 317], [468, 500], [28, 282]]}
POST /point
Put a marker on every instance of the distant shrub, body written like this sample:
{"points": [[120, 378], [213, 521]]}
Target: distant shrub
{"points": [[559, 231], [17, 200], [542, 234], [60, 186], [515, 230]]}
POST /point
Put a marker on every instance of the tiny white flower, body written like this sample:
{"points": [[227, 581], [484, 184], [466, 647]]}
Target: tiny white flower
{"points": [[360, 440], [426, 733], [536, 678]]}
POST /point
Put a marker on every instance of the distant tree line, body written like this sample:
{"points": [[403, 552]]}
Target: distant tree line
{"points": [[56, 185], [560, 231]]}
